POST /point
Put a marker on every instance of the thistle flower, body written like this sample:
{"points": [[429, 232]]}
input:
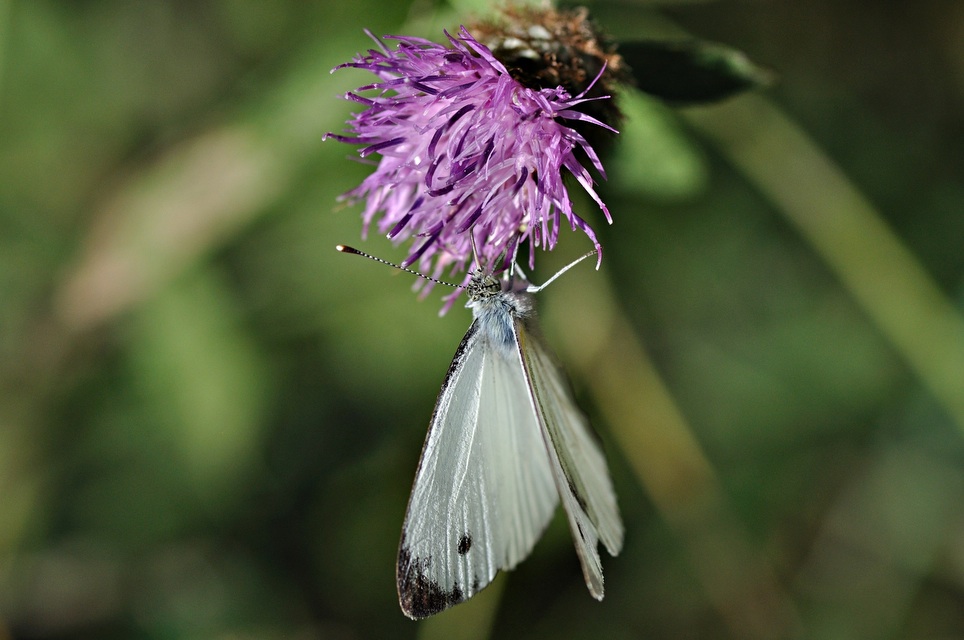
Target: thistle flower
{"points": [[469, 154]]}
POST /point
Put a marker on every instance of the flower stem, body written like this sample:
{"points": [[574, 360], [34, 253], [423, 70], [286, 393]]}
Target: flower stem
{"points": [[850, 235]]}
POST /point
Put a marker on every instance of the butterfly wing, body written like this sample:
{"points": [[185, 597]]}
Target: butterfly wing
{"points": [[484, 490], [578, 463]]}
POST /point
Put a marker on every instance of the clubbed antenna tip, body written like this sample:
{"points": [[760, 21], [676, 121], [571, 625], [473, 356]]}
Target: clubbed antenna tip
{"points": [[346, 249]]}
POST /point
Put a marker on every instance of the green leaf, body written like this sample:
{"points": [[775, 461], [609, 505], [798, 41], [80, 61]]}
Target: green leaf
{"points": [[654, 157], [691, 71]]}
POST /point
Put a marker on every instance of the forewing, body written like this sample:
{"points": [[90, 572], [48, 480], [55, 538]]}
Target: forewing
{"points": [[484, 490], [578, 463]]}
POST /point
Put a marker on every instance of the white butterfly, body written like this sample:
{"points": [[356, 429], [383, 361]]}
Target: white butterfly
{"points": [[505, 442]]}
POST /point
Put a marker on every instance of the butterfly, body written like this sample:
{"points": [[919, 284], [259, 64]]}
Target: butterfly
{"points": [[505, 444]]}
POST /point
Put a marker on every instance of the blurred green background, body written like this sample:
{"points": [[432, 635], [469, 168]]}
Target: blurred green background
{"points": [[210, 420]]}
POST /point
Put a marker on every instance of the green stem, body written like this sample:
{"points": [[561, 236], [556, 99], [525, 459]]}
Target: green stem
{"points": [[882, 274]]}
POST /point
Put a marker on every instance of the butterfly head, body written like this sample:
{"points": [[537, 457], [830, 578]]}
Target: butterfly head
{"points": [[482, 286]]}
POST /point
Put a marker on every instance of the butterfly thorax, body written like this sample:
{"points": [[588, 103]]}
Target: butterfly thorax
{"points": [[496, 304]]}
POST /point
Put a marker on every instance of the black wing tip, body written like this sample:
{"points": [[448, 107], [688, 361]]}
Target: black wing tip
{"points": [[418, 596]]}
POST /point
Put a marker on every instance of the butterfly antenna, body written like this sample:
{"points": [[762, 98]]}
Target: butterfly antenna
{"points": [[346, 249], [534, 289]]}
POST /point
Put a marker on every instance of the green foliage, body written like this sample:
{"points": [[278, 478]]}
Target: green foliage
{"points": [[655, 159]]}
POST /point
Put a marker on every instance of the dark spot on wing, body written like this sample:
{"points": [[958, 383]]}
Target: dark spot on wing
{"points": [[419, 596], [465, 543]]}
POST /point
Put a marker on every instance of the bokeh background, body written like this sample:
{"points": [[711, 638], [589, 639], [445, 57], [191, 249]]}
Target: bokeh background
{"points": [[210, 420]]}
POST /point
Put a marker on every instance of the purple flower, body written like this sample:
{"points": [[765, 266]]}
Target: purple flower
{"points": [[466, 150]]}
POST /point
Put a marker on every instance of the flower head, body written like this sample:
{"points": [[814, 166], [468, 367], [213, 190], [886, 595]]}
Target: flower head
{"points": [[471, 160]]}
